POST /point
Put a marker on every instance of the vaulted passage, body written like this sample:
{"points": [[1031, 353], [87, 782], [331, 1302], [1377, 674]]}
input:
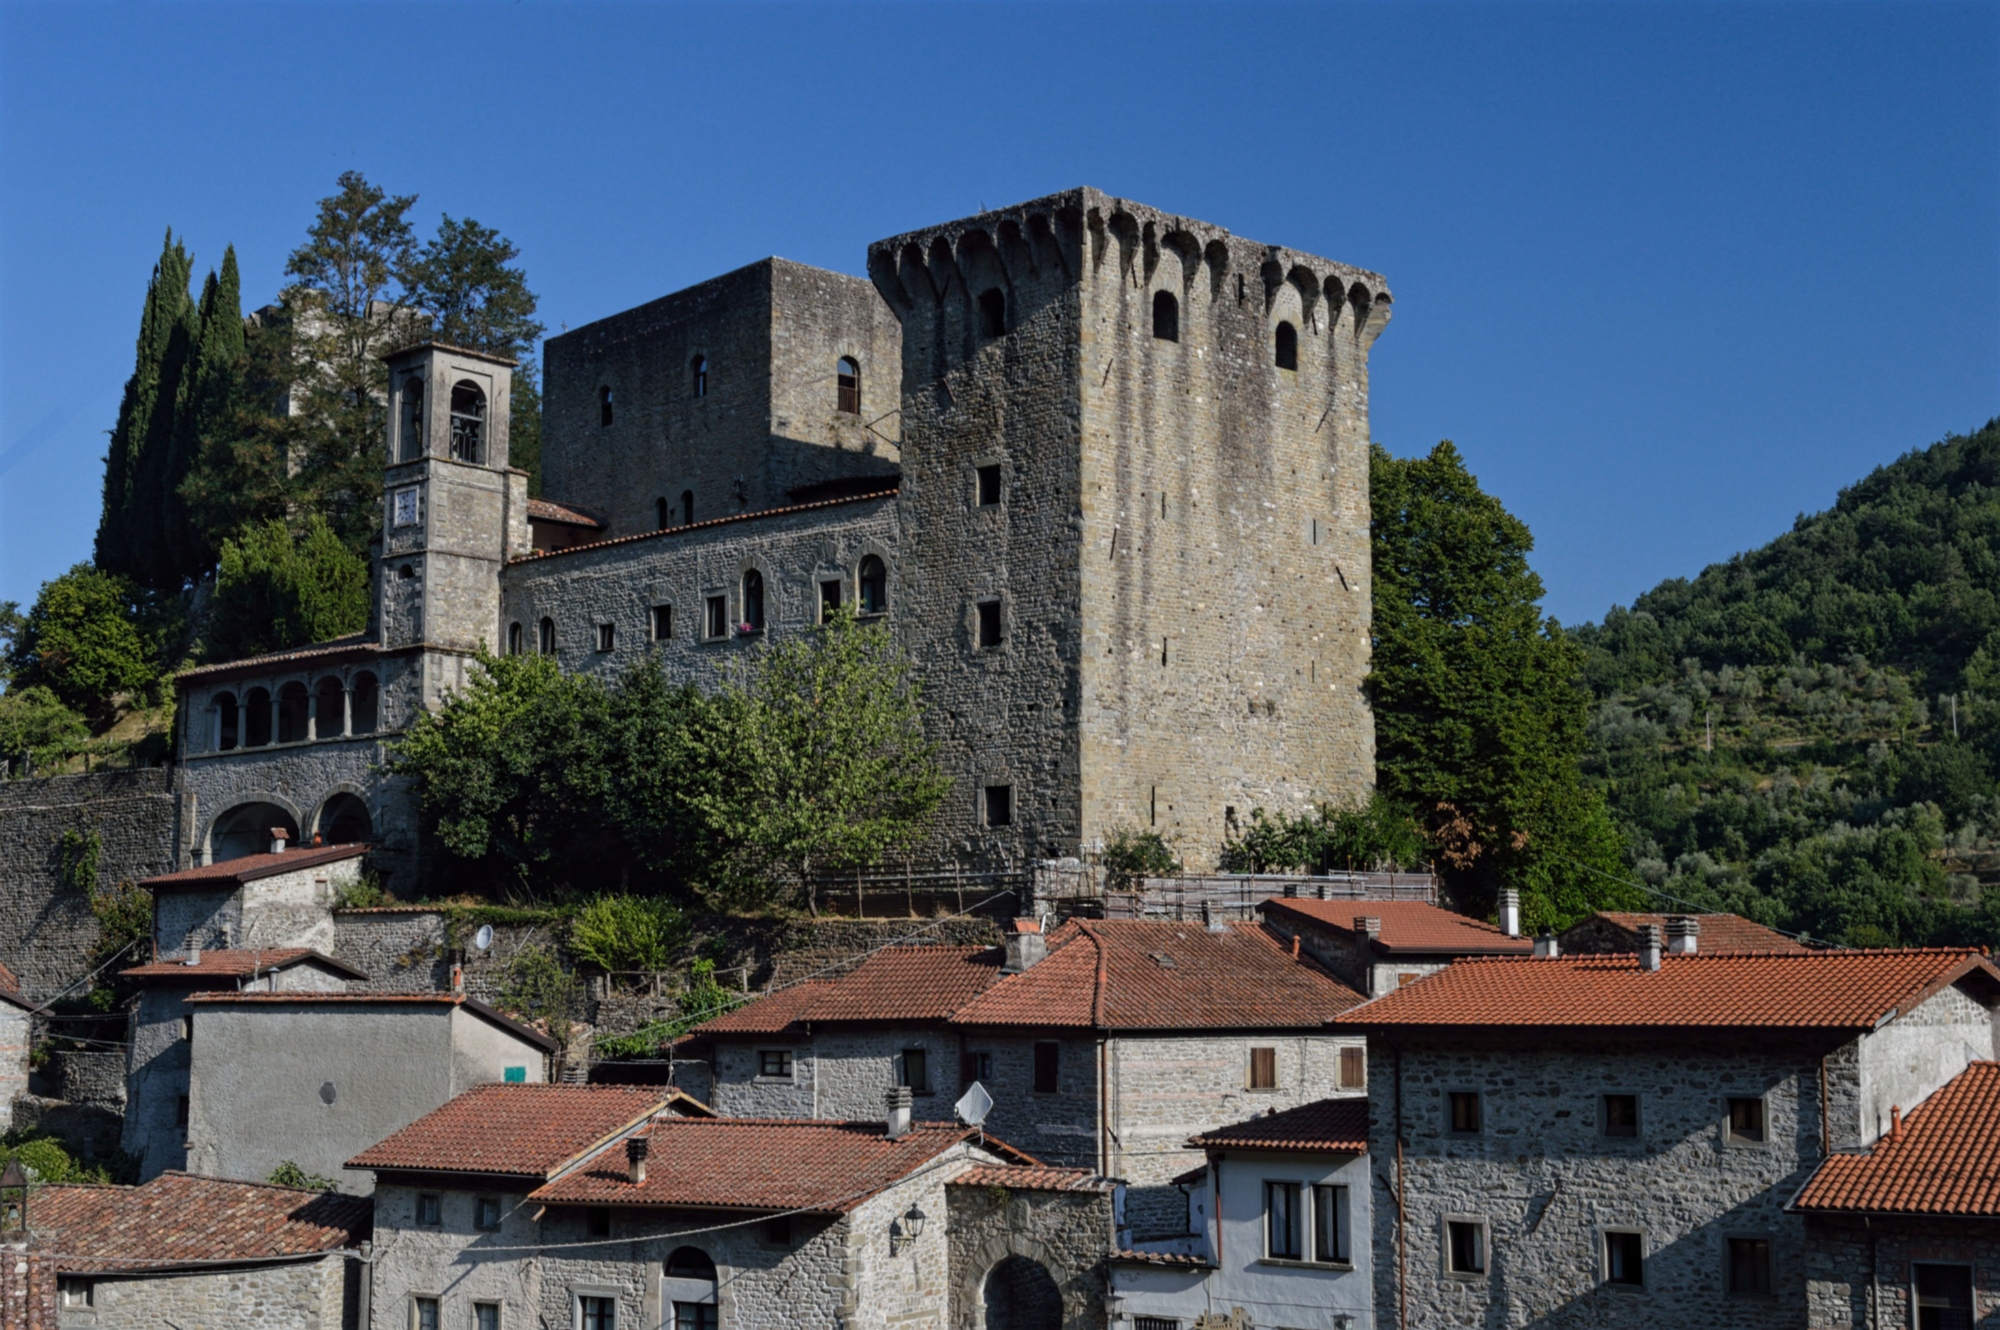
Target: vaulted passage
{"points": [[1020, 1294], [246, 829]]}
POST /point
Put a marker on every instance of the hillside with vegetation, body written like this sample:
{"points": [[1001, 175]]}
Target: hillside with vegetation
{"points": [[1809, 733]]}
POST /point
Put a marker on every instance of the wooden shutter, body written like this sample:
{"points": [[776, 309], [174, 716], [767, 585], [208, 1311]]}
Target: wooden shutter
{"points": [[1353, 1068], [1263, 1068]]}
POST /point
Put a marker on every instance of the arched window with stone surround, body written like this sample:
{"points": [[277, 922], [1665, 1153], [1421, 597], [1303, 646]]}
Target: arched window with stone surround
{"points": [[1287, 349], [545, 637], [874, 585], [687, 1287], [847, 376], [1166, 316], [365, 704], [468, 422]]}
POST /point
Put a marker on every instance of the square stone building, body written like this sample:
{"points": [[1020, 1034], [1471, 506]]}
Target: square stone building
{"points": [[1101, 470]]}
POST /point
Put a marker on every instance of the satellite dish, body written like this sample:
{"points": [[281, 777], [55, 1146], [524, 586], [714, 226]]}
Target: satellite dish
{"points": [[484, 937], [973, 1106]]}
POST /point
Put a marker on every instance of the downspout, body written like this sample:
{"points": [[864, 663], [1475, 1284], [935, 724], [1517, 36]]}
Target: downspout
{"points": [[1874, 1277], [1103, 1110], [1825, 1128], [1402, 1242], [364, 1296]]}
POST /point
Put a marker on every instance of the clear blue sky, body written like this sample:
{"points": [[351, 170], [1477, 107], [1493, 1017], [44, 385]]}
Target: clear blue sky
{"points": [[1668, 274]]}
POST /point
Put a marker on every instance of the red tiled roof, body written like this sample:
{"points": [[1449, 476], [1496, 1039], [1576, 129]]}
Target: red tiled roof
{"points": [[179, 1219], [758, 1164], [1021, 1177], [921, 983], [250, 867], [1720, 933], [263, 999], [1828, 990], [240, 963], [1141, 974], [548, 510], [889, 492], [1945, 1161], [1324, 1124], [356, 645], [518, 1130], [1407, 926]]}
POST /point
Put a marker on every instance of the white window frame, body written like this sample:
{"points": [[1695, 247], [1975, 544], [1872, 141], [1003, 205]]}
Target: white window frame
{"points": [[1605, 1232], [1485, 1226], [579, 1292]]}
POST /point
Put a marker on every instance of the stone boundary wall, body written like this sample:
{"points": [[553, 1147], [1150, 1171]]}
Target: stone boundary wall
{"points": [[46, 930]]}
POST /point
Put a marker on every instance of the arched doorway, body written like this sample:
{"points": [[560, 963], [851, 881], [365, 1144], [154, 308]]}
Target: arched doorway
{"points": [[246, 829], [343, 820], [687, 1290], [1020, 1294]]}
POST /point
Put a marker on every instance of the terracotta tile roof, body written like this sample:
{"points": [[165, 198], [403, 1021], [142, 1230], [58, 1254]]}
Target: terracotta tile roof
{"points": [[889, 492], [517, 1130], [261, 999], [1720, 933], [921, 983], [818, 1167], [1175, 1260], [1324, 1124], [548, 510], [1945, 1161], [1407, 926], [250, 867], [179, 1219], [1828, 990], [1142, 974], [240, 963], [355, 645], [1021, 1177]]}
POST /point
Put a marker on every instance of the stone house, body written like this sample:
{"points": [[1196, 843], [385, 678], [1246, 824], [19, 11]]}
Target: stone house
{"points": [[1278, 1233], [190, 1251], [1618, 931], [315, 1077], [1614, 1140], [1907, 1232], [1378, 946], [273, 898], [1105, 1045], [1101, 470], [595, 1206], [17, 1028]]}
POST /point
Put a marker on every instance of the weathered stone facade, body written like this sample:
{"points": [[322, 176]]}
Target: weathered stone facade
{"points": [[316, 1294], [1065, 1233], [1861, 1274]]}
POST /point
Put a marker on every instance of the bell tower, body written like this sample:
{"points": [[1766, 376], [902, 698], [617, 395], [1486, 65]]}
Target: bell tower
{"points": [[453, 511]]}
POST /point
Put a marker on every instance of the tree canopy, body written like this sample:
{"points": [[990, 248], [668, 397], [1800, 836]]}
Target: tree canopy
{"points": [[274, 590], [82, 643]]}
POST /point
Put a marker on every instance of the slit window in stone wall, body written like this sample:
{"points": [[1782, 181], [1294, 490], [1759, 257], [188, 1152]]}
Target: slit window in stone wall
{"points": [[663, 622], [987, 491], [874, 581], [1463, 1107], [1048, 1066], [753, 600], [1287, 346], [992, 312], [606, 408], [413, 420], [989, 624], [468, 422], [607, 636], [663, 514], [848, 377], [698, 372], [514, 639], [687, 506], [257, 718], [718, 618], [1281, 1221], [545, 637], [365, 704], [227, 733], [1166, 316]]}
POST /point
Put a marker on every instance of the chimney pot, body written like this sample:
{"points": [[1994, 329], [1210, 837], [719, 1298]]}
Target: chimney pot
{"points": [[1025, 945], [1895, 1121], [1369, 926], [899, 1112], [278, 838], [458, 981], [1649, 946], [636, 1148], [194, 948], [1510, 912], [1682, 934], [1546, 946]]}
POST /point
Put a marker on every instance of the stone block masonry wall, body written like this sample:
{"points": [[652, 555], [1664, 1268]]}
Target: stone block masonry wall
{"points": [[1067, 1233], [46, 929], [1859, 1274], [296, 1295]]}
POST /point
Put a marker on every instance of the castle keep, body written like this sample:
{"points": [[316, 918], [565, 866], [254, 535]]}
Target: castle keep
{"points": [[1101, 470]]}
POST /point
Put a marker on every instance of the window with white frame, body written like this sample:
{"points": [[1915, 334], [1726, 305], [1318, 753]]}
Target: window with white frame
{"points": [[485, 1316], [594, 1312], [424, 1313], [1330, 1225]]}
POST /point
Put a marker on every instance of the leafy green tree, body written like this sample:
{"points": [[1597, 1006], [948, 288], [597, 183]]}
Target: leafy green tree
{"points": [[240, 475], [274, 591], [145, 418], [34, 721], [1480, 712], [80, 642], [1131, 855], [628, 932], [1333, 836]]}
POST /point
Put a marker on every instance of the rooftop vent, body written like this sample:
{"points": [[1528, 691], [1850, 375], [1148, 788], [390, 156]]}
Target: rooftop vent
{"points": [[279, 835], [1369, 926], [1026, 945], [899, 1112], [1546, 946], [194, 948], [1510, 912], [1682, 931], [1649, 946]]}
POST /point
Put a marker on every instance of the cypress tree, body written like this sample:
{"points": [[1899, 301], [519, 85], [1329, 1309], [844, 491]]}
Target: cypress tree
{"points": [[146, 506], [208, 409], [157, 322]]}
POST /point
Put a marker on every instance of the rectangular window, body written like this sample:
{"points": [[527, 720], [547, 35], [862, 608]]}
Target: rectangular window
{"points": [[424, 1314], [430, 1208], [695, 1316], [1048, 1058], [1330, 1224], [597, 1221], [916, 1071], [1465, 1247], [1263, 1068], [1353, 1068], [989, 624], [663, 622], [999, 805], [187, 1029], [1621, 1115], [989, 485], [1746, 1119], [485, 1316], [1281, 1221], [1943, 1295], [181, 1111], [514, 1075], [1750, 1267], [829, 600], [718, 618], [599, 1313], [775, 1062], [1465, 1112], [974, 1066], [76, 1293], [1624, 1258], [1156, 1323], [607, 636], [486, 1212]]}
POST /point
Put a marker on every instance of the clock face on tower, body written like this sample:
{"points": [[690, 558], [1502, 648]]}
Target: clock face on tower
{"points": [[404, 512]]}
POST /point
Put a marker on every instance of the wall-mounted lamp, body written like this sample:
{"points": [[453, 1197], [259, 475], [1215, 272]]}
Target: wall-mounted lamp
{"points": [[906, 1230]]}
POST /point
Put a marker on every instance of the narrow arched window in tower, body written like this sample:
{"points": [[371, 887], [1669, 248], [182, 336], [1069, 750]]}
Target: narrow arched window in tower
{"points": [[687, 507], [1288, 346], [753, 600], [992, 312], [468, 422], [849, 377], [546, 637], [1166, 316], [413, 419], [604, 406], [874, 582], [663, 516], [699, 370], [513, 639]]}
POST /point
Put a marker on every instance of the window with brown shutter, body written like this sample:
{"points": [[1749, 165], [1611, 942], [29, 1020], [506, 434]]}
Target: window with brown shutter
{"points": [[1263, 1068], [1353, 1069]]}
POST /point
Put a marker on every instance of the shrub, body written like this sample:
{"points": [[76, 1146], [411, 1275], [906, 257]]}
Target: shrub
{"points": [[537, 988], [1130, 855], [46, 1160], [702, 1000], [35, 721], [628, 933], [289, 1174]]}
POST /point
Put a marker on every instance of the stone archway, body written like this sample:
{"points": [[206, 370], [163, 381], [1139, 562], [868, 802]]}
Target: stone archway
{"points": [[1019, 1293], [246, 829], [343, 820]]}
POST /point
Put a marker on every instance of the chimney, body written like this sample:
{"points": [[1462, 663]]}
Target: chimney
{"points": [[1649, 946], [1895, 1121], [1546, 946], [1025, 946], [1209, 921], [1682, 931], [194, 948], [278, 837], [458, 978], [1369, 926], [635, 1158], [899, 1112], [1510, 912]]}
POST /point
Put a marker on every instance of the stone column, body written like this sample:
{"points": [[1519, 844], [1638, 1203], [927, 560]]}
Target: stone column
{"points": [[312, 715], [346, 708], [275, 707]]}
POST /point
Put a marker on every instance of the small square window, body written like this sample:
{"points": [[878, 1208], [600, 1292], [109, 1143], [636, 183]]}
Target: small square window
{"points": [[1625, 1258], [1943, 1294], [1465, 1113], [1281, 1221], [77, 1293], [1353, 1068], [989, 485], [718, 618], [999, 805], [1263, 1068], [486, 1212], [1621, 1115], [430, 1209], [663, 622], [1750, 1267], [607, 636], [916, 1071], [597, 1221], [1465, 1247], [424, 1314], [1048, 1061], [829, 599], [775, 1062], [989, 624], [1746, 1120], [485, 1316]]}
